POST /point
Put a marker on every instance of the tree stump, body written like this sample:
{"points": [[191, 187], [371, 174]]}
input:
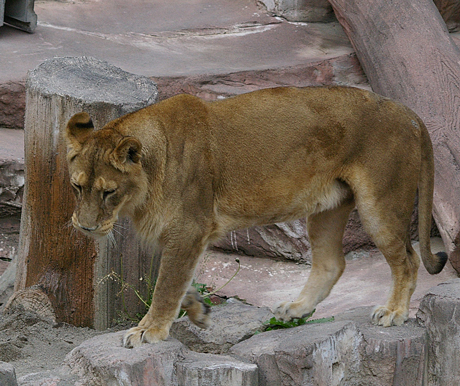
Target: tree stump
{"points": [[73, 270], [408, 55]]}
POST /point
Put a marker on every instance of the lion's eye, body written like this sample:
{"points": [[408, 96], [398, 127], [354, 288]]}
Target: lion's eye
{"points": [[107, 193]]}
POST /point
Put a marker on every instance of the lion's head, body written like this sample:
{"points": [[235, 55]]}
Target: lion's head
{"points": [[106, 175]]}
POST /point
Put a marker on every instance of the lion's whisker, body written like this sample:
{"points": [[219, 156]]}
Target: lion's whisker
{"points": [[117, 231], [117, 225], [111, 239]]}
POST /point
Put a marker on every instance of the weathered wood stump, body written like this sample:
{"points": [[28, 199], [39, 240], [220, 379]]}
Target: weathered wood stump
{"points": [[71, 269], [408, 55]]}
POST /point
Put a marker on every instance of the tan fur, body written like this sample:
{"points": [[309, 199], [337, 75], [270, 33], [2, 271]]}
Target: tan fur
{"points": [[188, 172]]}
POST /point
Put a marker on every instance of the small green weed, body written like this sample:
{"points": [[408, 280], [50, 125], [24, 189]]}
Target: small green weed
{"points": [[275, 324], [202, 289]]}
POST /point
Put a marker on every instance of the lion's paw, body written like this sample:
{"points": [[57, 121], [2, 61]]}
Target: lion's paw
{"points": [[135, 336], [286, 311], [197, 310], [383, 316]]}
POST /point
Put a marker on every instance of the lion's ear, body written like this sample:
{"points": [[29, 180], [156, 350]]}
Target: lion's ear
{"points": [[78, 128], [128, 151]]}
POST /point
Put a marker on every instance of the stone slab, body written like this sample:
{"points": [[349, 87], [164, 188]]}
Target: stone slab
{"points": [[348, 351], [205, 37], [7, 375], [103, 360], [56, 377], [389, 356], [231, 323], [215, 370], [439, 314], [309, 354]]}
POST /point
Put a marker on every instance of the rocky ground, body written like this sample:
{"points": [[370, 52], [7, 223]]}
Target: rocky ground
{"points": [[233, 352], [34, 345]]}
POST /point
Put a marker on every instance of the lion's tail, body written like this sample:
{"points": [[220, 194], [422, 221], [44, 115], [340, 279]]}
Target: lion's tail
{"points": [[434, 263]]}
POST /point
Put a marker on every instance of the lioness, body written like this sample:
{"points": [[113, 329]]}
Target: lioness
{"points": [[189, 171]]}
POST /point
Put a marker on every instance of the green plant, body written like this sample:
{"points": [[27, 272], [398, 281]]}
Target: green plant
{"points": [[202, 289], [275, 324]]}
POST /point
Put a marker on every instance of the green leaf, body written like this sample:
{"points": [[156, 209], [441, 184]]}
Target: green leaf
{"points": [[322, 320], [275, 324]]}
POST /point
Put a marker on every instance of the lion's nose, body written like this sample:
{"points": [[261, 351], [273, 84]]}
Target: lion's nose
{"points": [[77, 224]]}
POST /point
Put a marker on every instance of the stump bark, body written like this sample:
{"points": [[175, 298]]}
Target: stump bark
{"points": [[408, 55], [73, 270]]}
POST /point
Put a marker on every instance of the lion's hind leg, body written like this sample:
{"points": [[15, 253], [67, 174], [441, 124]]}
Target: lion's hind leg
{"points": [[325, 230], [387, 223], [404, 263]]}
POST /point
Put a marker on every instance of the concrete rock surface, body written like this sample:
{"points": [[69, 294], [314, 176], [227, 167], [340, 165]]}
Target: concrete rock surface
{"points": [[7, 282], [310, 354], [232, 323], [11, 187], [438, 312], [215, 370], [388, 356], [56, 377], [348, 351], [7, 375], [103, 361]]}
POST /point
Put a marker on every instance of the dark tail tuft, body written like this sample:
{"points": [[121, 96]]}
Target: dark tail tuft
{"points": [[441, 262]]}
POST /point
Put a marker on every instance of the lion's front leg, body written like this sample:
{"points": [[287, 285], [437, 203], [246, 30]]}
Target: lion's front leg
{"points": [[176, 273], [197, 310]]}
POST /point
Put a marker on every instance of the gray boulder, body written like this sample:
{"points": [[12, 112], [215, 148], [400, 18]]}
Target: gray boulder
{"points": [[310, 354], [103, 361], [349, 351], [438, 312], [231, 323], [7, 375], [215, 370]]}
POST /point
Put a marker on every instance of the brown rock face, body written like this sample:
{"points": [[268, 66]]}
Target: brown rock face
{"points": [[290, 240], [12, 104]]}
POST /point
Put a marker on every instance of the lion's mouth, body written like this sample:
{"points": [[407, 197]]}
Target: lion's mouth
{"points": [[96, 231]]}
